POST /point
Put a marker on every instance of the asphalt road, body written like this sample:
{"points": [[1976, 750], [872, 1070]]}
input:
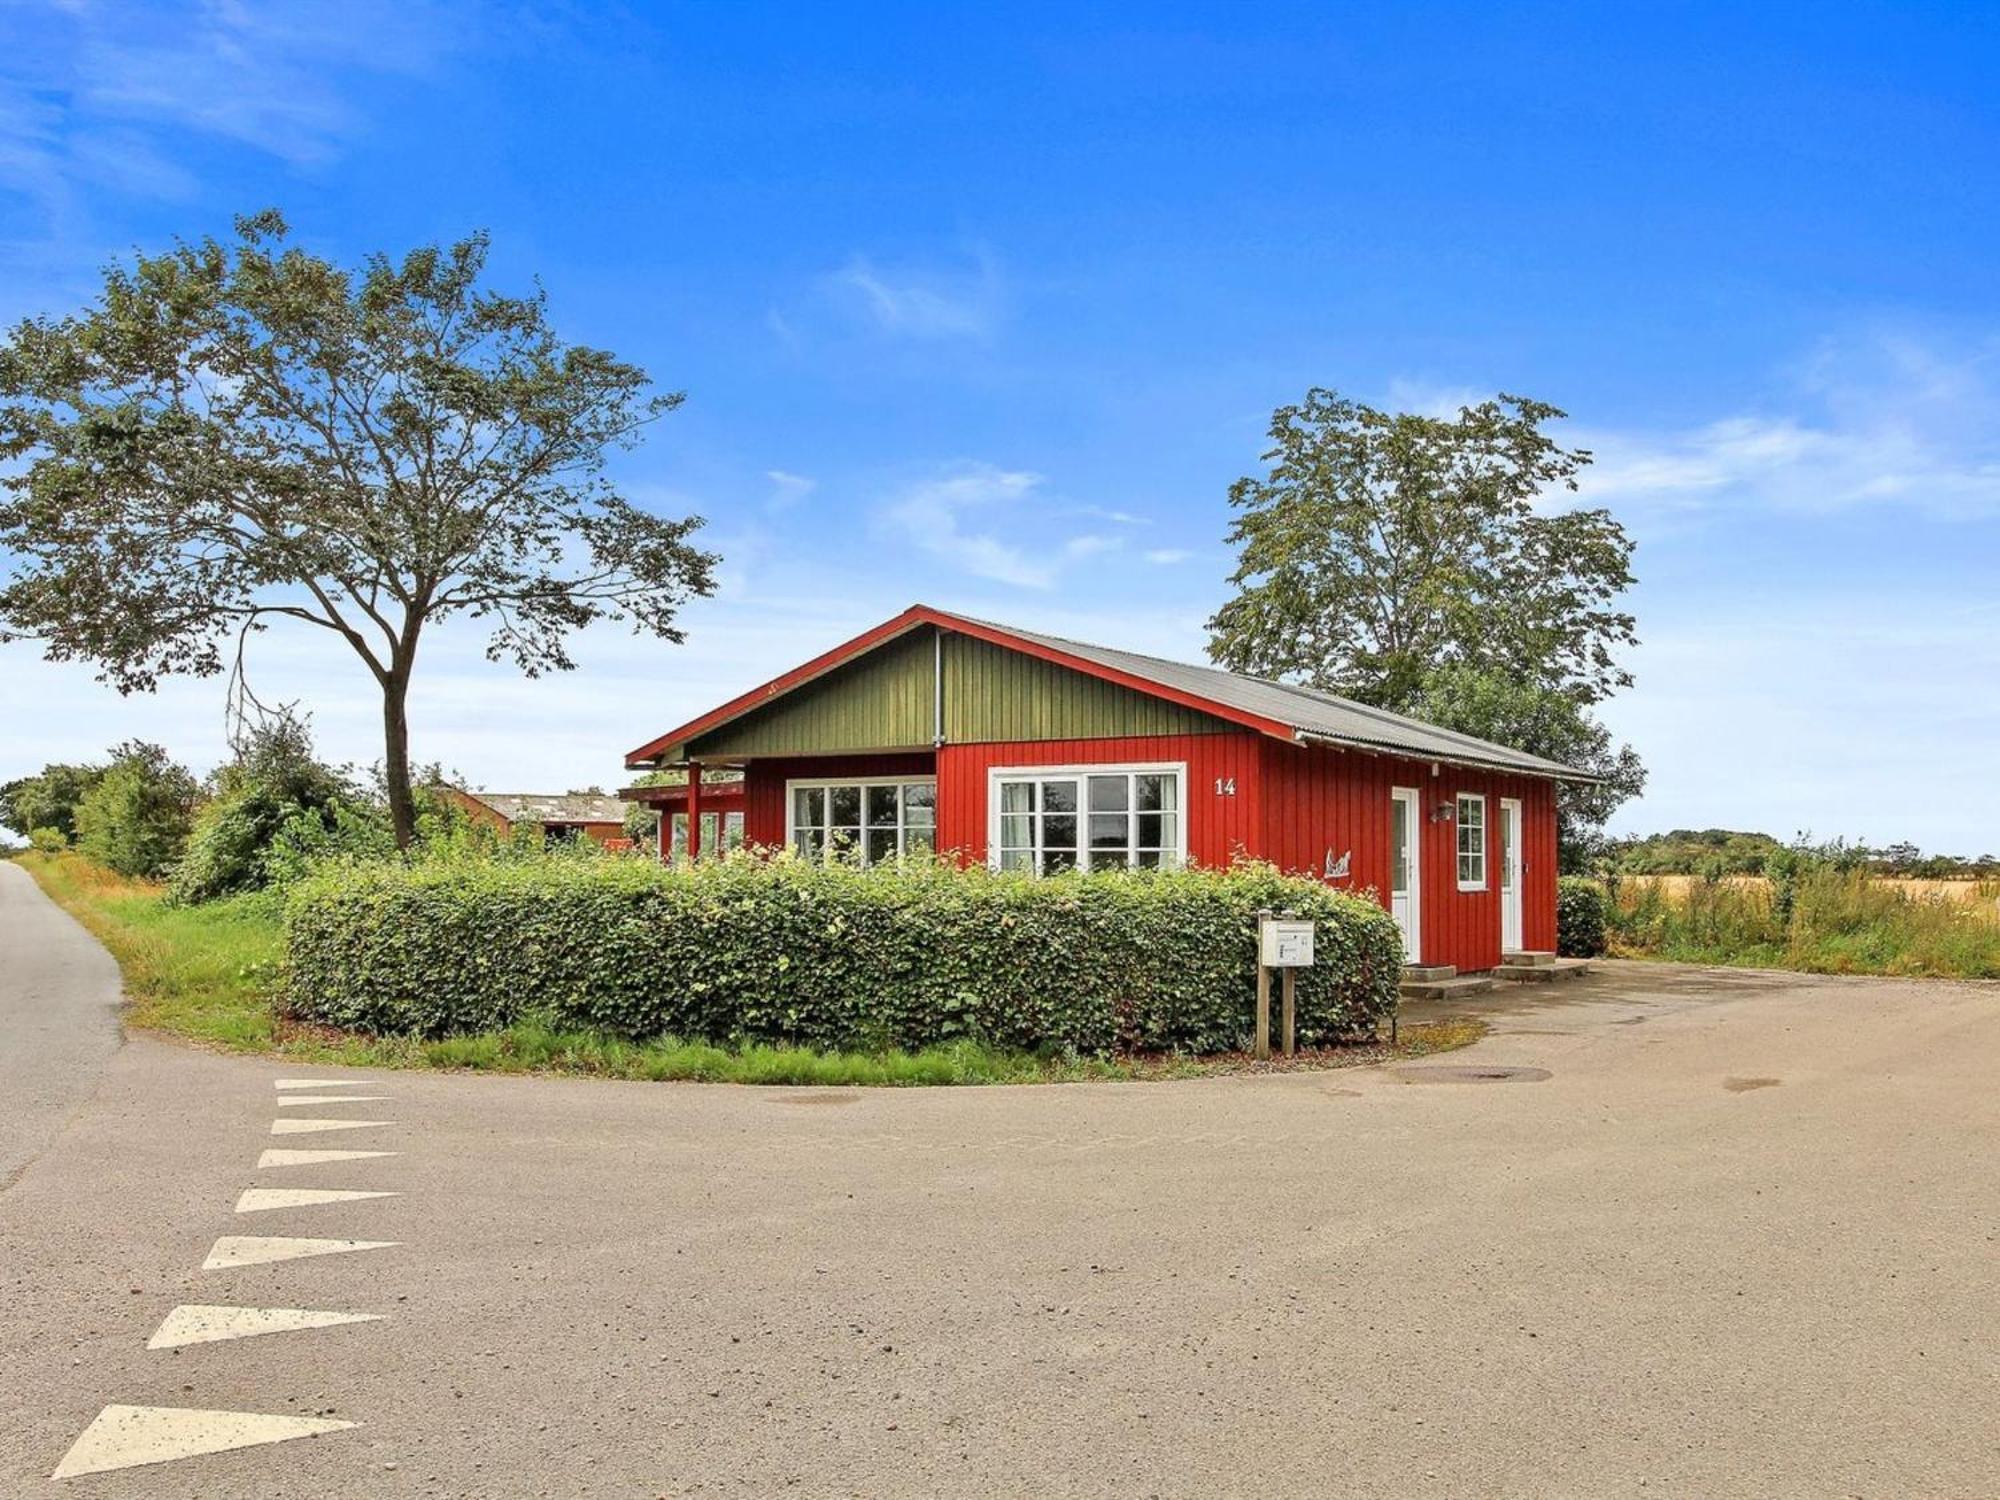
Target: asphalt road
{"points": [[1740, 1241], [58, 1017]]}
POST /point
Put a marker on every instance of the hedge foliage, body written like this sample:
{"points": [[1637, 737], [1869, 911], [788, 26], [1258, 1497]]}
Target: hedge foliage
{"points": [[772, 949], [1580, 917]]}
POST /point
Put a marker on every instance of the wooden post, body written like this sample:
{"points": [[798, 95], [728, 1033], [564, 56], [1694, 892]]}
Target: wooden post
{"points": [[1291, 1012], [694, 810], [1263, 1013]]}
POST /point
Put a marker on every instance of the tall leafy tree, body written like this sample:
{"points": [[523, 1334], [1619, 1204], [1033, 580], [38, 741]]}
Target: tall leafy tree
{"points": [[235, 434], [1382, 545], [1417, 563]]}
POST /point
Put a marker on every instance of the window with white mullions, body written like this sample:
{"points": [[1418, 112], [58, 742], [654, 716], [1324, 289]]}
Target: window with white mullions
{"points": [[869, 822], [1091, 819], [1471, 842]]}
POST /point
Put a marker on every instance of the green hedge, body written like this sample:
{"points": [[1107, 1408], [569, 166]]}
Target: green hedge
{"points": [[777, 950], [1580, 915]]}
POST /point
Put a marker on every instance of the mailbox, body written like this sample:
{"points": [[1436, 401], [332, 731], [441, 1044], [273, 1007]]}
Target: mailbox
{"points": [[1284, 945]]}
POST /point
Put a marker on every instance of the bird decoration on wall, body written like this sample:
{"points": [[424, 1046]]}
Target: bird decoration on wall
{"points": [[1336, 869]]}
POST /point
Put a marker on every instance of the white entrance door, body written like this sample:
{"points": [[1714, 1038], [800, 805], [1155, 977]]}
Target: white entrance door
{"points": [[1510, 874], [1405, 899]]}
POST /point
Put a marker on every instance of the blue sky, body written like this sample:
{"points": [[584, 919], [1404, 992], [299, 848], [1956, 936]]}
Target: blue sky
{"points": [[987, 306]]}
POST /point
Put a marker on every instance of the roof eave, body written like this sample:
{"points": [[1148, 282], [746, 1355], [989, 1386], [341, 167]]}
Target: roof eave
{"points": [[1406, 752]]}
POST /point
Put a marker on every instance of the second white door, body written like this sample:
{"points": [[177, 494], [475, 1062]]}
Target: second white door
{"points": [[1510, 875]]}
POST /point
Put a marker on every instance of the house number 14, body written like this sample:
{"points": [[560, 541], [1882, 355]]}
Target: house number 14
{"points": [[1225, 786]]}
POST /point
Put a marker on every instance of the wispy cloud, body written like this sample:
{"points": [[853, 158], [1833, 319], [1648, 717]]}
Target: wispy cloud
{"points": [[923, 303], [98, 95], [1884, 421], [961, 517], [1165, 557], [787, 489]]}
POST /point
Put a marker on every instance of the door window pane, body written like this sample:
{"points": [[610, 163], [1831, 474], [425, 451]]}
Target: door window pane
{"points": [[1399, 845]]}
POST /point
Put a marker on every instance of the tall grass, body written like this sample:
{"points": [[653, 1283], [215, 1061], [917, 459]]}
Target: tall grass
{"points": [[1823, 920]]}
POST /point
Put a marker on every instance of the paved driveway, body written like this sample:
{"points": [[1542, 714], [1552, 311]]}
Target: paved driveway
{"points": [[1739, 1241]]}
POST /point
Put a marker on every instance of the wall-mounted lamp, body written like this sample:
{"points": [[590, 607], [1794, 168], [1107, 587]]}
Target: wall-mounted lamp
{"points": [[1443, 813]]}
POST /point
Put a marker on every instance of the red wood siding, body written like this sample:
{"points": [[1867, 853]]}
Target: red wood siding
{"points": [[1219, 825], [764, 785], [1291, 805], [1318, 799]]}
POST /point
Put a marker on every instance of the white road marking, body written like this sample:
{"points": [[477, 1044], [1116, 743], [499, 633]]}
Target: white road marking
{"points": [[277, 1156], [122, 1437], [323, 1083], [298, 1100], [196, 1324], [256, 1250], [307, 1127], [260, 1200]]}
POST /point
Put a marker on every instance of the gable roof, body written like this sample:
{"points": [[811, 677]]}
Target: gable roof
{"points": [[1278, 709]]}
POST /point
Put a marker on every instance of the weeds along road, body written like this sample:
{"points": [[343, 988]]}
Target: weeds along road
{"points": [[1739, 1241]]}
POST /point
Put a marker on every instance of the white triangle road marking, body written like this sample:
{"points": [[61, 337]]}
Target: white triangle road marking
{"points": [[277, 1156], [282, 1084], [297, 1101], [308, 1127], [256, 1250], [261, 1200], [194, 1323], [122, 1437]]}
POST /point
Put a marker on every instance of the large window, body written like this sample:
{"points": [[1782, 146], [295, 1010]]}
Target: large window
{"points": [[1092, 818], [872, 822], [1471, 842]]}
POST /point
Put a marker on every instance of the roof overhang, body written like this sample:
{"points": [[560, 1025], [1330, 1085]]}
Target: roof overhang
{"points": [[1467, 762]]}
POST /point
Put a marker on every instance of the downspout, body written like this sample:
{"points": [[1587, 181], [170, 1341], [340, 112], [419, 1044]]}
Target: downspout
{"points": [[937, 688]]}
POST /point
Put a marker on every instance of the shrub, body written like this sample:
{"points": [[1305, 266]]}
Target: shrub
{"points": [[756, 948], [1580, 909], [135, 819], [47, 840], [273, 781], [47, 800]]}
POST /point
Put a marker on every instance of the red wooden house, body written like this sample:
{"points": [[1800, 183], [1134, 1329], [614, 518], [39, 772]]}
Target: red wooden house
{"points": [[935, 731]]}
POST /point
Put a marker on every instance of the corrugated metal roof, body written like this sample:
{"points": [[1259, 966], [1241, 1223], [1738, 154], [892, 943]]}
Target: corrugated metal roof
{"points": [[1314, 714], [546, 807]]}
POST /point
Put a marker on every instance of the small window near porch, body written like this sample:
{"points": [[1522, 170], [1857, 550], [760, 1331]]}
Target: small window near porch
{"points": [[1471, 842], [868, 823]]}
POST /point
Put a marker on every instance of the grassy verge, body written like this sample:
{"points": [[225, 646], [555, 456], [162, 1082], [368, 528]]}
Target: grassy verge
{"points": [[205, 972]]}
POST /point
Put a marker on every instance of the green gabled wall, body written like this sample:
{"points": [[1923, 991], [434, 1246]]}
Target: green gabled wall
{"points": [[880, 701], [885, 701], [993, 693]]}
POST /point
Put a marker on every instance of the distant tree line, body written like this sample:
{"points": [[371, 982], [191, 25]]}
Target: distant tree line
{"points": [[1723, 851]]}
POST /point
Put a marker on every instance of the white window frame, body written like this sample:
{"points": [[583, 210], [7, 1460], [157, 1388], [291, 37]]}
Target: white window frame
{"points": [[676, 832], [1178, 769], [1458, 842], [807, 783]]}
